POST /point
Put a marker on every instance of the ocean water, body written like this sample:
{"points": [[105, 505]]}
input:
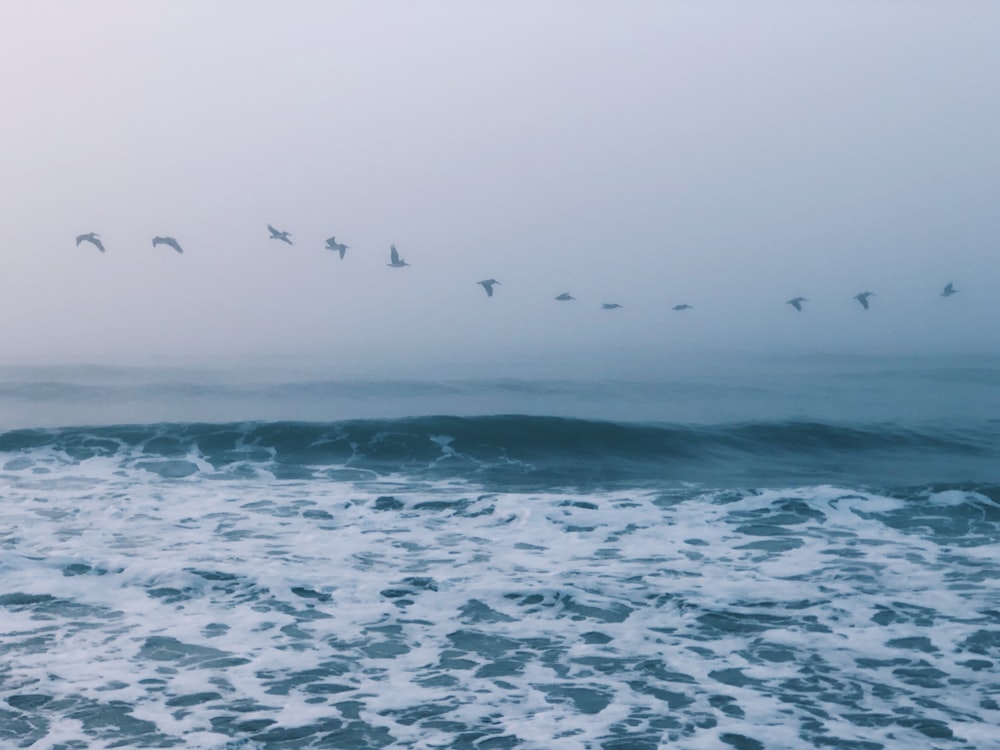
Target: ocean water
{"points": [[784, 556]]}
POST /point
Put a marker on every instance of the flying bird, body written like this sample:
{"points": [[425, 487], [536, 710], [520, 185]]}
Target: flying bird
{"points": [[487, 284], [93, 237], [682, 307], [340, 247], [610, 306], [863, 298], [949, 290], [279, 235], [797, 303], [167, 241], [394, 259], [565, 297]]}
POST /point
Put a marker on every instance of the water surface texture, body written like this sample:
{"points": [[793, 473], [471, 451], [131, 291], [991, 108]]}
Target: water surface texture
{"points": [[505, 581]]}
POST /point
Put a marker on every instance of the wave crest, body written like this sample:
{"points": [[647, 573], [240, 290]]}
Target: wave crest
{"points": [[512, 449]]}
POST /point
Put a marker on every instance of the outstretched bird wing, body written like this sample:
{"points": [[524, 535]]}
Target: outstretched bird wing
{"points": [[277, 234], [167, 241], [91, 238], [393, 254]]}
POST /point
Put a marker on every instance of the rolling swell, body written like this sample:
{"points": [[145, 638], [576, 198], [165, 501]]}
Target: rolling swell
{"points": [[519, 451]]}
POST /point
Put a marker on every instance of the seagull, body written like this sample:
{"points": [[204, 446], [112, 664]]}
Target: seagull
{"points": [[797, 303], [682, 307], [278, 235], [167, 241], [93, 237], [949, 290], [565, 297], [394, 259], [487, 284], [863, 298], [610, 306], [340, 247]]}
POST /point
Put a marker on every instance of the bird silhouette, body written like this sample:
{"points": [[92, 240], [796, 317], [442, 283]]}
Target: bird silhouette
{"points": [[93, 238], [949, 290], [332, 244], [797, 303], [610, 306], [167, 241], [863, 298], [682, 307], [487, 284], [277, 234], [565, 297], [394, 260]]}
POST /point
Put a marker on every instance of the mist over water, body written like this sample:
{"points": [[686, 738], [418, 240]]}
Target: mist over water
{"points": [[693, 390], [724, 156]]}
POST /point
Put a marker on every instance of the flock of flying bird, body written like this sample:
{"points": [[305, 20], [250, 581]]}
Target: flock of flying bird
{"points": [[396, 262]]}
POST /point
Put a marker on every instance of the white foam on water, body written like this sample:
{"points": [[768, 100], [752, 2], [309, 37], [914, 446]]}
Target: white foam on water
{"points": [[563, 619]]}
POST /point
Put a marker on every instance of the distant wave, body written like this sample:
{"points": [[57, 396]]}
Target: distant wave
{"points": [[546, 451], [57, 390]]}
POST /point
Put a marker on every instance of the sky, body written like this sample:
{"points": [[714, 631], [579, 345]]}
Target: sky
{"points": [[728, 155]]}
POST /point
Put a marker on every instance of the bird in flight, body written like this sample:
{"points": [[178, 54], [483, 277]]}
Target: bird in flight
{"points": [[279, 235], [610, 306], [565, 297], [167, 241], [394, 260], [863, 298], [797, 303], [682, 307], [487, 284], [93, 237], [340, 247], [949, 290]]}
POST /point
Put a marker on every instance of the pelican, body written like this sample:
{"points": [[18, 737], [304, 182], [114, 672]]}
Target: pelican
{"points": [[797, 303], [682, 307], [610, 306], [863, 298], [949, 290], [487, 284], [565, 297], [93, 238], [167, 241], [340, 247], [279, 235], [394, 259]]}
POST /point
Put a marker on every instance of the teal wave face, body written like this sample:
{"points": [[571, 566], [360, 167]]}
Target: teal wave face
{"points": [[511, 450]]}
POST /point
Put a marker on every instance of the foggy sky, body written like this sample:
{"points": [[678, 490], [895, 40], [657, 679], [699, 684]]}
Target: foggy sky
{"points": [[726, 155]]}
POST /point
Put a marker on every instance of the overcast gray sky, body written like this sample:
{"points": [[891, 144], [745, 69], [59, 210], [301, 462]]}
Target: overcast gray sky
{"points": [[730, 155]]}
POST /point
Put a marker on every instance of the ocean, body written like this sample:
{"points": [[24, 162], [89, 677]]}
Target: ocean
{"points": [[786, 553]]}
